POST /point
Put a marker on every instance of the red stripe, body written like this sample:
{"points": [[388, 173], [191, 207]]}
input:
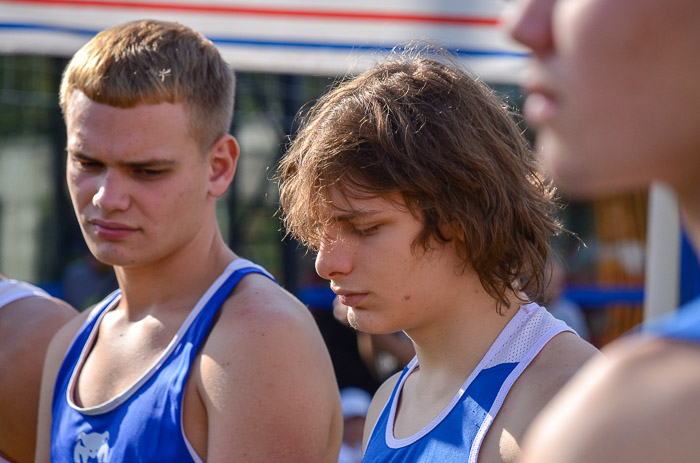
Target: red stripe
{"points": [[316, 14]]}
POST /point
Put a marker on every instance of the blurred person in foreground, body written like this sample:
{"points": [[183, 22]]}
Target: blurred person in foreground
{"points": [[418, 192], [200, 355], [29, 318], [614, 91]]}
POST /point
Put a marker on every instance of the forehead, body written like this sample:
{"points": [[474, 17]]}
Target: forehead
{"points": [[97, 127], [340, 206], [640, 22]]}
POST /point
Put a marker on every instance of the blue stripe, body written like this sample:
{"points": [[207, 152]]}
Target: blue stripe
{"points": [[274, 43], [602, 295]]}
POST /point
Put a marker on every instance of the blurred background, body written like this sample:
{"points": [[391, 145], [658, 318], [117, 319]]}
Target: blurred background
{"points": [[286, 54]]}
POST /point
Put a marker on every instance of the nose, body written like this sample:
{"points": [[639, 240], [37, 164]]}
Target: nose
{"points": [[111, 193], [530, 23], [334, 259]]}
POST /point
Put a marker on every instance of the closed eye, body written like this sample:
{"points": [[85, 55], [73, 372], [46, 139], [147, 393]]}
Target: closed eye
{"points": [[364, 231], [87, 164], [149, 173]]}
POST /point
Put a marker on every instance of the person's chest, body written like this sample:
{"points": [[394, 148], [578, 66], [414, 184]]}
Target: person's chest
{"points": [[119, 356]]}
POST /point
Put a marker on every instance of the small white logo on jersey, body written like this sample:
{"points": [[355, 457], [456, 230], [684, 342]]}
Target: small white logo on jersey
{"points": [[90, 447]]}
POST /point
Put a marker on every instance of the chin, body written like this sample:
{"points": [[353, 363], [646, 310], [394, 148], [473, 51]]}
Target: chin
{"points": [[357, 321], [581, 181], [562, 165], [584, 169], [361, 323], [109, 257], [352, 319]]}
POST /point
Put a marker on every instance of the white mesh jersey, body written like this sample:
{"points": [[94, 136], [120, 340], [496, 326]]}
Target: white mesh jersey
{"points": [[457, 433], [13, 290]]}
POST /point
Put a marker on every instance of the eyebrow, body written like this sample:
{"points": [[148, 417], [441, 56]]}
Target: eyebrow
{"points": [[349, 216], [148, 163]]}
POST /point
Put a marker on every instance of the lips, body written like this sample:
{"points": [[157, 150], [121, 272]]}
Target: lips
{"points": [[349, 298], [540, 107], [542, 103], [111, 230]]}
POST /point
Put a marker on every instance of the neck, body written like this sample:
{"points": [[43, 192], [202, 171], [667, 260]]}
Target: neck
{"points": [[177, 281], [450, 351]]}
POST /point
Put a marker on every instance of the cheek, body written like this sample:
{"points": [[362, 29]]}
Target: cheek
{"points": [[78, 187], [71, 179], [606, 46], [413, 282], [180, 199], [592, 46]]}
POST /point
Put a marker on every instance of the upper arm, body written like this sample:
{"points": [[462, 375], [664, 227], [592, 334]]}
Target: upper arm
{"points": [[643, 404], [268, 386], [52, 363], [381, 397]]}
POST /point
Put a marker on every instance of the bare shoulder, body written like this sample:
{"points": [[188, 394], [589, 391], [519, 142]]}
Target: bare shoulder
{"points": [[558, 361], [266, 298], [34, 317], [641, 404], [263, 319], [26, 329], [27, 326], [379, 400], [266, 376], [263, 315]]}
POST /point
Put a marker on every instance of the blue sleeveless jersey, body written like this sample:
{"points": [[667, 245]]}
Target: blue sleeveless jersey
{"points": [[458, 432], [144, 424], [683, 325]]}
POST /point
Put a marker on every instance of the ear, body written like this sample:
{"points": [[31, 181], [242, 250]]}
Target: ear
{"points": [[222, 158]]}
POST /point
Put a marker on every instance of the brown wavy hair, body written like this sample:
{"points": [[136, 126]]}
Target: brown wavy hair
{"points": [[418, 125], [151, 62]]}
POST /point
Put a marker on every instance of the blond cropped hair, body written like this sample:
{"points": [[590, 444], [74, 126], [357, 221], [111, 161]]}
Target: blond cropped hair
{"points": [[151, 62]]}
